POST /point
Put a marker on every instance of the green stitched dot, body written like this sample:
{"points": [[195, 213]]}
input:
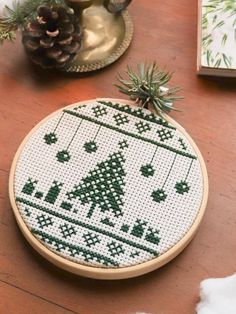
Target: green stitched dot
{"points": [[90, 147], [134, 254], [147, 170], [183, 145], [29, 187], [152, 236], [53, 192], [59, 247], [66, 206], [124, 228], [182, 187], [38, 195], [107, 222], [79, 107], [164, 134], [115, 249], [139, 228], [50, 138], [142, 127], [63, 156], [27, 212], [159, 195], [67, 230]]}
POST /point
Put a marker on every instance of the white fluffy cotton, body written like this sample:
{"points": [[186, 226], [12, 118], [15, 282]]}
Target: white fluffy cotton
{"points": [[218, 296]]}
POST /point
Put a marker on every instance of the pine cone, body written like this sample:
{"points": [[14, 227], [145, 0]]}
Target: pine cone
{"points": [[52, 39]]}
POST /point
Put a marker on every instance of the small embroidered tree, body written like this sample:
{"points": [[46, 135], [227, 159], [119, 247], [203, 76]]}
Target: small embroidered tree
{"points": [[103, 186]]}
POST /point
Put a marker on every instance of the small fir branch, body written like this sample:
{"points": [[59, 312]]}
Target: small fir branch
{"points": [[148, 87], [18, 16], [6, 35]]}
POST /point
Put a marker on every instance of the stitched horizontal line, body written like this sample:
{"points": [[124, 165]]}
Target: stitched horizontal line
{"points": [[127, 109], [82, 224], [75, 247], [76, 114]]}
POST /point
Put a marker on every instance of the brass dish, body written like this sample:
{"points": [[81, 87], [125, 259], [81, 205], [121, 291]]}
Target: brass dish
{"points": [[106, 38]]}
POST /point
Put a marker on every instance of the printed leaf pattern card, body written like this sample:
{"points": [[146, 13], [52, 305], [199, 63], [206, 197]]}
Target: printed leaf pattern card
{"points": [[217, 37]]}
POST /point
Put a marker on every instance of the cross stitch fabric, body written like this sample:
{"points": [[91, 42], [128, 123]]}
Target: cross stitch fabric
{"points": [[108, 185]]}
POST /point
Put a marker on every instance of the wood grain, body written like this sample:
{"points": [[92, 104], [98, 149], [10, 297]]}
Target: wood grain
{"points": [[165, 31], [22, 301]]}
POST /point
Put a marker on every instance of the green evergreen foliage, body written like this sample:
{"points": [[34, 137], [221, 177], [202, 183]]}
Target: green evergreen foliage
{"points": [[147, 87]]}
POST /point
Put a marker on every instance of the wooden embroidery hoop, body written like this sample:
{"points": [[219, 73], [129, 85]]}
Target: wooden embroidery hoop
{"points": [[104, 273]]}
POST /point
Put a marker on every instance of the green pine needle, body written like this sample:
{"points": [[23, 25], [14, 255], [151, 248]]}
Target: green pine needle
{"points": [[146, 87], [10, 36]]}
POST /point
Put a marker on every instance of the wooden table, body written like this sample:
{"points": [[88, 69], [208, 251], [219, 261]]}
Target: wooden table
{"points": [[165, 31]]}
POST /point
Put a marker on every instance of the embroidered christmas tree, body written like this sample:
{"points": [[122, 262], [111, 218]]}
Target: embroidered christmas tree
{"points": [[103, 186]]}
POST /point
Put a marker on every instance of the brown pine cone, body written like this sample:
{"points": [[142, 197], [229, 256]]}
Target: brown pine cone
{"points": [[54, 38]]}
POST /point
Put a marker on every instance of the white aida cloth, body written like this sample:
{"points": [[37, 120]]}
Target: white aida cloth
{"points": [[108, 185]]}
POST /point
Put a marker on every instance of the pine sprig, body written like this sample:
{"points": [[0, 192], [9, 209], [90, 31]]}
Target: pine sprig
{"points": [[6, 35], [18, 16], [148, 87]]}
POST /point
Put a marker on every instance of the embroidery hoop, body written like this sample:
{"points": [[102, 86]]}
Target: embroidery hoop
{"points": [[108, 273]]}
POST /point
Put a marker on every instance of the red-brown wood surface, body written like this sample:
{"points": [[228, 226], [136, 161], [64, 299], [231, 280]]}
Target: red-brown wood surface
{"points": [[165, 31]]}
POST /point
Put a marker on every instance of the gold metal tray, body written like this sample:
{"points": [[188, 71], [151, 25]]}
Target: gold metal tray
{"points": [[106, 37]]}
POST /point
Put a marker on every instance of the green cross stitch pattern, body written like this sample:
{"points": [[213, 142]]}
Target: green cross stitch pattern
{"points": [[164, 134], [142, 127], [50, 138], [38, 194], [44, 221], [115, 248], [103, 186], [29, 186], [103, 200], [147, 170], [90, 147], [27, 212], [182, 187], [67, 230], [120, 119], [91, 239], [159, 195], [123, 144], [99, 111], [63, 156]]}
